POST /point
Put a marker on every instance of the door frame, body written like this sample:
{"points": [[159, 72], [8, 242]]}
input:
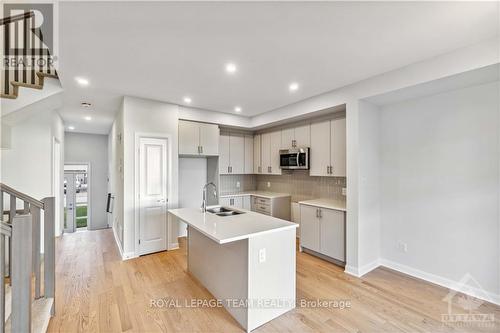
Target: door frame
{"points": [[89, 192], [58, 185], [138, 137]]}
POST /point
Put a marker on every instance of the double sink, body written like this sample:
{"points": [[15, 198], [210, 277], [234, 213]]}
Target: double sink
{"points": [[223, 211]]}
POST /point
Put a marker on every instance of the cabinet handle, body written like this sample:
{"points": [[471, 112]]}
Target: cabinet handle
{"points": [[320, 213], [201, 149], [317, 213]]}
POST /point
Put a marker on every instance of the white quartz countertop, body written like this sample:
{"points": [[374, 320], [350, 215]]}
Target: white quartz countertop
{"points": [[263, 194], [231, 228], [325, 203]]}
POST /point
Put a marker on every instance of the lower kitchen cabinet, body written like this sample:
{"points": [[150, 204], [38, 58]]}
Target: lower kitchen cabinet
{"points": [[236, 201], [323, 231], [310, 229], [332, 233]]}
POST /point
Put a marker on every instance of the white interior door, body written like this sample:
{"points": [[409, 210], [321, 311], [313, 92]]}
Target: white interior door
{"points": [[152, 195]]}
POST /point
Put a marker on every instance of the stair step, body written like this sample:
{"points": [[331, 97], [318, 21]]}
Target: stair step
{"points": [[40, 316]]}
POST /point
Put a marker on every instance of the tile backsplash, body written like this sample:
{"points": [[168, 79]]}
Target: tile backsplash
{"points": [[299, 184], [229, 183]]}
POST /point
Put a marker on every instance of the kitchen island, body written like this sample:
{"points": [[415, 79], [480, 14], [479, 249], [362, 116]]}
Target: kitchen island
{"points": [[247, 261]]}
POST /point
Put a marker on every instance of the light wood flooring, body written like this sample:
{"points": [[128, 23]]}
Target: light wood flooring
{"points": [[97, 292]]}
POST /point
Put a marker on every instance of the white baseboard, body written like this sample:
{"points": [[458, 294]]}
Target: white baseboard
{"points": [[126, 255], [173, 246], [444, 282], [359, 272]]}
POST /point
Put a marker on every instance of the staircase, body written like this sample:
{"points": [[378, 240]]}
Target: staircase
{"points": [[26, 304], [26, 60]]}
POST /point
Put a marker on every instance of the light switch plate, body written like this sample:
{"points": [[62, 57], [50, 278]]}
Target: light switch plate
{"points": [[268, 184], [344, 191], [262, 255], [237, 184]]}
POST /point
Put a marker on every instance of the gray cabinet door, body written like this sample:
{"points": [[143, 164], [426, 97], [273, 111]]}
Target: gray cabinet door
{"points": [[332, 234], [309, 228]]}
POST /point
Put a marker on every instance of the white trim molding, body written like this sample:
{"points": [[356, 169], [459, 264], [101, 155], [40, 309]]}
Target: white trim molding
{"points": [[441, 281], [359, 272], [126, 255]]}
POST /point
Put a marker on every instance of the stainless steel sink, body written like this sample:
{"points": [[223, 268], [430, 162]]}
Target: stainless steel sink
{"points": [[224, 211]]}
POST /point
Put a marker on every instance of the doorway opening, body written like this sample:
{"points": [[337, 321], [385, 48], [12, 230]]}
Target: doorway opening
{"points": [[76, 197]]}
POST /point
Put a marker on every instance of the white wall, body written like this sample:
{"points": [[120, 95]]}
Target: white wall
{"points": [[28, 165], [91, 149], [440, 185], [369, 187], [115, 171], [142, 116], [192, 178]]}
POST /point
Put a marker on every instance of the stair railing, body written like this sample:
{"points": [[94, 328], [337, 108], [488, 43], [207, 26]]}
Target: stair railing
{"points": [[21, 257], [25, 56]]}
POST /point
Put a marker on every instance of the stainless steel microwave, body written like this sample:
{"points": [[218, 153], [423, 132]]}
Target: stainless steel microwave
{"points": [[294, 158]]}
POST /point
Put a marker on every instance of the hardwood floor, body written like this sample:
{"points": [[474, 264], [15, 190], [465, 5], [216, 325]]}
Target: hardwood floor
{"points": [[97, 292]]}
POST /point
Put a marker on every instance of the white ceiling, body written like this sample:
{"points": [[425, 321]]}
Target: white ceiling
{"points": [[165, 50]]}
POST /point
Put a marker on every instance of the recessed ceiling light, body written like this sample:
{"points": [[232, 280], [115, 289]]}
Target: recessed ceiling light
{"points": [[88, 118], [71, 128], [293, 86], [237, 109], [230, 68], [187, 100], [82, 81], [86, 104]]}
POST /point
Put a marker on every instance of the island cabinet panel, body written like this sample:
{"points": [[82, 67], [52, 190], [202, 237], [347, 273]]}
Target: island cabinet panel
{"points": [[222, 269], [198, 138], [263, 283], [257, 156], [310, 229], [246, 270]]}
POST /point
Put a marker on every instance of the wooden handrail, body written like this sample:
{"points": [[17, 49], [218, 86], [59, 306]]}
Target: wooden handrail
{"points": [[21, 196], [15, 18], [5, 229]]}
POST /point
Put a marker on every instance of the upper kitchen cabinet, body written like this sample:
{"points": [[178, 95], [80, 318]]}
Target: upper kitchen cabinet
{"points": [[270, 153], [338, 148], [296, 137], [198, 138], [232, 154], [257, 155], [249, 163], [328, 148], [209, 139]]}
